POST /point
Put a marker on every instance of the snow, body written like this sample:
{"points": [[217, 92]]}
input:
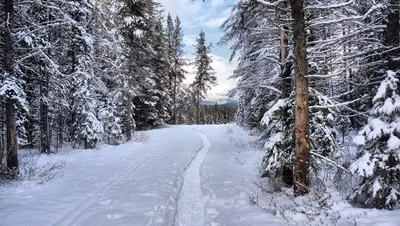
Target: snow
{"points": [[359, 140], [389, 81], [363, 166], [180, 175], [191, 202], [376, 187], [267, 116], [393, 142]]}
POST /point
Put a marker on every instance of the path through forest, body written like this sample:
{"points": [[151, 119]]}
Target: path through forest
{"points": [[181, 175]]}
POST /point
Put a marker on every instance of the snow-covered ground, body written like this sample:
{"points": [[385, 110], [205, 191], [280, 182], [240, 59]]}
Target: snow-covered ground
{"points": [[181, 175]]}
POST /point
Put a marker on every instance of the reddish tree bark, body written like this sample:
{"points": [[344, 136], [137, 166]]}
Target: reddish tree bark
{"points": [[302, 118]]}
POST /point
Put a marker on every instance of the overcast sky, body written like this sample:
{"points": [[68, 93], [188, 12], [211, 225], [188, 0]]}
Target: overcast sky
{"points": [[207, 16]]}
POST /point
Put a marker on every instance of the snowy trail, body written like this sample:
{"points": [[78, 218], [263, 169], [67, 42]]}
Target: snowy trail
{"points": [[191, 205], [78, 210], [181, 176]]}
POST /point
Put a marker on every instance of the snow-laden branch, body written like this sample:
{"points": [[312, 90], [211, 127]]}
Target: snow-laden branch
{"points": [[350, 18], [334, 105], [271, 4], [330, 161], [325, 76], [333, 6]]}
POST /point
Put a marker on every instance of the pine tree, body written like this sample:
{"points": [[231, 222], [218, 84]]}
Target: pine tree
{"points": [[378, 162], [204, 72], [177, 63], [135, 20], [161, 69]]}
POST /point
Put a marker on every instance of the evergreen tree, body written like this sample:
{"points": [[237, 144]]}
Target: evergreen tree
{"points": [[177, 63], [161, 68], [174, 35], [378, 162], [204, 72]]}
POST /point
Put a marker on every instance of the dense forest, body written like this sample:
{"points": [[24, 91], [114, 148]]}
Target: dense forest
{"points": [[87, 72], [314, 74], [317, 79]]}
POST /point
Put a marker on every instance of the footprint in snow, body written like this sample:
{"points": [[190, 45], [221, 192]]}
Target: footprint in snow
{"points": [[228, 182], [148, 194], [105, 202], [114, 216]]}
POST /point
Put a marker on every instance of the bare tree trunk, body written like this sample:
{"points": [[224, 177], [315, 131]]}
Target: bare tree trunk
{"points": [[174, 102], [286, 67], [128, 119], [45, 140], [302, 119], [44, 119], [198, 109], [60, 130], [11, 127], [12, 155], [2, 138], [392, 34]]}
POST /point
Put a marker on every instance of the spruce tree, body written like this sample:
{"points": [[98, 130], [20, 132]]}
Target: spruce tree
{"points": [[177, 63], [378, 162], [205, 74]]}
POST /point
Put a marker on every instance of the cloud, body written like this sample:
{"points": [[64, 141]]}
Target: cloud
{"points": [[197, 13], [216, 22], [207, 16], [189, 40]]}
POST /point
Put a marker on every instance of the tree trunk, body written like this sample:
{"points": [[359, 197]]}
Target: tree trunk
{"points": [[60, 130], [45, 139], [174, 102], [44, 117], [198, 109], [12, 155], [11, 127], [286, 67], [2, 133], [128, 119], [392, 34], [302, 121]]}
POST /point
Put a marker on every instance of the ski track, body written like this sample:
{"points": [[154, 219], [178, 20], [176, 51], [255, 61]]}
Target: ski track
{"points": [[70, 217], [191, 204], [184, 176]]}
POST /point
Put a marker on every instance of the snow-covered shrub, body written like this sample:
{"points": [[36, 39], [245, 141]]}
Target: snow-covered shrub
{"points": [[279, 156], [378, 162], [108, 115]]}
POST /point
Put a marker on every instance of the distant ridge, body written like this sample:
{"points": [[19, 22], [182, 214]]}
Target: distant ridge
{"points": [[227, 103]]}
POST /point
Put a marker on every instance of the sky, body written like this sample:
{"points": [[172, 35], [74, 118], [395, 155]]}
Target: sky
{"points": [[207, 16]]}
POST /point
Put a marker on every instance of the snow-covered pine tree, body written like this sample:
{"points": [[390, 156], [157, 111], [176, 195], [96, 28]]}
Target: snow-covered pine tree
{"points": [[177, 64], [205, 77], [161, 67], [108, 57], [378, 162], [137, 21], [185, 102], [44, 82], [146, 114]]}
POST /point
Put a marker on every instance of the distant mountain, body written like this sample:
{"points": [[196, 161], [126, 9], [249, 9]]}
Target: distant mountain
{"points": [[232, 104], [222, 102]]}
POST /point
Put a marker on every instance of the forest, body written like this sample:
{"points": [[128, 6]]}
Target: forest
{"points": [[317, 84], [326, 99], [87, 72]]}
